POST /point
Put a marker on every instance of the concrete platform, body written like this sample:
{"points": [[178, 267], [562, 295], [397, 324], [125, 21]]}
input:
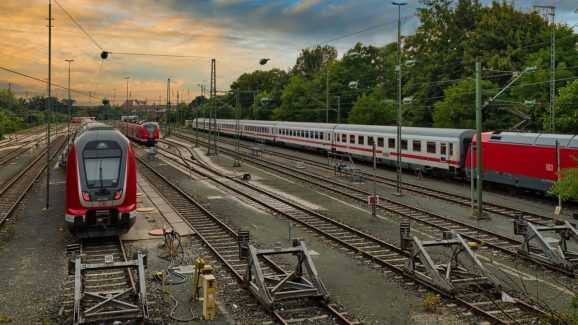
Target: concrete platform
{"points": [[156, 213]]}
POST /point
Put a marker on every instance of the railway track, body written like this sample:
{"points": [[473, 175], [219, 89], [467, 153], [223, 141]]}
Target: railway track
{"points": [[489, 240], [379, 252], [222, 241], [13, 191], [100, 293], [441, 195]]}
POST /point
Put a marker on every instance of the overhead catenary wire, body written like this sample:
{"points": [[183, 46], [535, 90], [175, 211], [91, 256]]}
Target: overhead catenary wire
{"points": [[46, 82]]}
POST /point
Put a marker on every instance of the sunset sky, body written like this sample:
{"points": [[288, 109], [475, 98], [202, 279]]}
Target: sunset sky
{"points": [[237, 33]]}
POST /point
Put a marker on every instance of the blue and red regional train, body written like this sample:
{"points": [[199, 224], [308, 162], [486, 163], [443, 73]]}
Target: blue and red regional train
{"points": [[524, 160], [147, 133], [100, 183]]}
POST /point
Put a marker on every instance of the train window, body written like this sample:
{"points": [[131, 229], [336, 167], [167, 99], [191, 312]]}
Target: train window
{"points": [[417, 145], [344, 138], [307, 134], [352, 138], [431, 147], [302, 133], [380, 142], [403, 144], [102, 163], [451, 149], [391, 143], [442, 148], [361, 140], [370, 141], [321, 135]]}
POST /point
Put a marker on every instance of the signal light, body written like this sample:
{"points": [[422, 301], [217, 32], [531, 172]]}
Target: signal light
{"points": [[86, 196], [118, 194]]}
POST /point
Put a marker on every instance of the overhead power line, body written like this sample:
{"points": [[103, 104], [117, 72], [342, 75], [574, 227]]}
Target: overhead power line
{"points": [[79, 26], [46, 82]]}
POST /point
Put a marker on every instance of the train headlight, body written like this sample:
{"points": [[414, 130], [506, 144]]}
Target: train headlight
{"points": [[86, 196], [117, 194]]}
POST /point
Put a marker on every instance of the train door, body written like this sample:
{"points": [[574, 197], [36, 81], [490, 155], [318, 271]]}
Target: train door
{"points": [[444, 152]]}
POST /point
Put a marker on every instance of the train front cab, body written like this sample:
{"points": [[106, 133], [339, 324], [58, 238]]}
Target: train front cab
{"points": [[101, 189]]}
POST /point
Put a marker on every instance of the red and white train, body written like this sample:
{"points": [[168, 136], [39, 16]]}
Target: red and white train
{"points": [[100, 183], [525, 160], [147, 133]]}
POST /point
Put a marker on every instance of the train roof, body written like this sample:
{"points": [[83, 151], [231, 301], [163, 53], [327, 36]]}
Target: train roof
{"points": [[307, 124], [433, 132], [100, 131], [539, 139]]}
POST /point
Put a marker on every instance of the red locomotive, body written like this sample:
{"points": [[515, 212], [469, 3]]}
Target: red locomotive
{"points": [[100, 183], [525, 160], [147, 133]]}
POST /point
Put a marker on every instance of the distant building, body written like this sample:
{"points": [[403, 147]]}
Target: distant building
{"points": [[134, 104]]}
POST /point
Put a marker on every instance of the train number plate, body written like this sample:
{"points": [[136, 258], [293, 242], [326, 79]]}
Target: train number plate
{"points": [[108, 258]]}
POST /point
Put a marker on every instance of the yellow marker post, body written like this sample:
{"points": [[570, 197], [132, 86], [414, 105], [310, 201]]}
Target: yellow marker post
{"points": [[209, 296]]}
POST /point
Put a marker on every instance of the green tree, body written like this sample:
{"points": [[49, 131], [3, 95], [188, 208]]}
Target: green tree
{"points": [[311, 60], [458, 110], [566, 112], [567, 186], [298, 103], [373, 110]]}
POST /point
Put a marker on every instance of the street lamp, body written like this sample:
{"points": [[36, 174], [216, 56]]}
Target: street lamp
{"points": [[69, 102], [398, 70]]}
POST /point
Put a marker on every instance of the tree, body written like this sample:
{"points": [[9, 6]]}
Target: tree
{"points": [[566, 112], [298, 103], [457, 109], [567, 186], [312, 60], [373, 110]]}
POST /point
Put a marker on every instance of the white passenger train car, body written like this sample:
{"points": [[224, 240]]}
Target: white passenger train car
{"points": [[429, 149]]}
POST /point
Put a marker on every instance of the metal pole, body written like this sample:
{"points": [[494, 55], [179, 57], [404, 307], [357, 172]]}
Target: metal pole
{"points": [[338, 109], [69, 103], [48, 115], [472, 148], [237, 162], [398, 69], [558, 172], [479, 210], [553, 73], [127, 90], [327, 95], [374, 206], [169, 105]]}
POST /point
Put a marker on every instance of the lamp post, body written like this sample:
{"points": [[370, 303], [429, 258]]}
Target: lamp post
{"points": [[127, 90], [398, 70], [69, 102]]}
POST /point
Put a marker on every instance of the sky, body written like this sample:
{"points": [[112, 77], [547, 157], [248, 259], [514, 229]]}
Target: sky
{"points": [[150, 41]]}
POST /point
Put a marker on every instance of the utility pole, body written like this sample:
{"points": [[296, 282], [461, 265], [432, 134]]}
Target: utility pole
{"points": [[479, 210], [327, 95], [48, 115], [69, 102], [398, 70], [237, 162], [338, 108], [212, 148], [169, 105], [551, 11]]}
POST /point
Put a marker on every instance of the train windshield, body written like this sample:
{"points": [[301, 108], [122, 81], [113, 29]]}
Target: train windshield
{"points": [[150, 127], [102, 161]]}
